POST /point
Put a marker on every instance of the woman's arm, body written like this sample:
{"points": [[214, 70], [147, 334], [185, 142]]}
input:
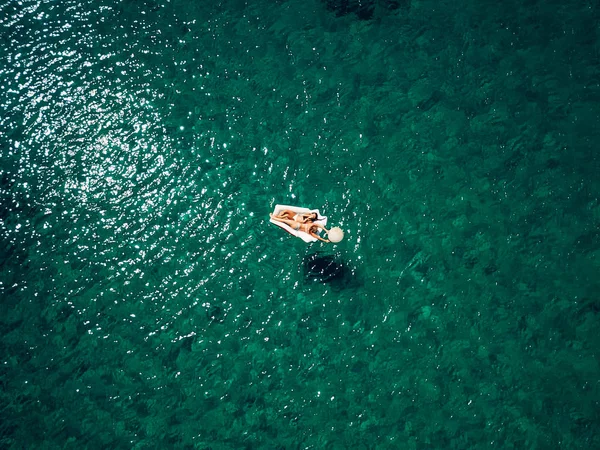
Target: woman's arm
{"points": [[315, 235]]}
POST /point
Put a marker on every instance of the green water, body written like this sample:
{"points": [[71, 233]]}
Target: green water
{"points": [[146, 302]]}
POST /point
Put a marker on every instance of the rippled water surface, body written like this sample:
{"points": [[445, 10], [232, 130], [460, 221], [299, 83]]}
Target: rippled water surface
{"points": [[148, 303]]}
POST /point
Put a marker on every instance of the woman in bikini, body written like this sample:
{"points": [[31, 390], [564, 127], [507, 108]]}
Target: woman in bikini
{"points": [[300, 217], [307, 225]]}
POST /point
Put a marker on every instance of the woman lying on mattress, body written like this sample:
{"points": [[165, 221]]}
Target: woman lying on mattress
{"points": [[300, 217], [302, 222]]}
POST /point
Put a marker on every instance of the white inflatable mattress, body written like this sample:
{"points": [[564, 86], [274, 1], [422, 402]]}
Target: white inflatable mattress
{"points": [[301, 234]]}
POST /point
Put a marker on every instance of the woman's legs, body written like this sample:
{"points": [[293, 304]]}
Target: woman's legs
{"points": [[286, 214], [291, 223]]}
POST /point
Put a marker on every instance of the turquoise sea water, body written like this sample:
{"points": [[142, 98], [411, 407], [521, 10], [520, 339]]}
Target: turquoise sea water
{"points": [[146, 302]]}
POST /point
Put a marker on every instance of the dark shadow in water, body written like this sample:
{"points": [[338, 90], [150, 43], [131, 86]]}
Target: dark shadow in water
{"points": [[365, 9], [325, 268]]}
